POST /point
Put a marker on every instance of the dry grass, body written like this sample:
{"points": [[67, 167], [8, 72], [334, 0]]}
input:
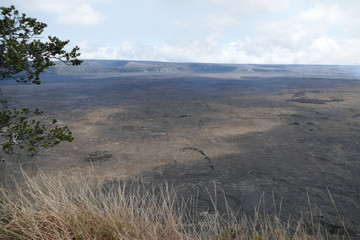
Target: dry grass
{"points": [[70, 208]]}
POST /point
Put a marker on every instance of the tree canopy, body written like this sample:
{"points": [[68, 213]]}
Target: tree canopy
{"points": [[24, 55]]}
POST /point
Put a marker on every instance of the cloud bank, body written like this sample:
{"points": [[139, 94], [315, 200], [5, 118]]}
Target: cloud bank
{"points": [[323, 33], [224, 31], [251, 50], [73, 13]]}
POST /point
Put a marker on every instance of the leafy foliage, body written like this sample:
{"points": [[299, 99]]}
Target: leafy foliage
{"points": [[23, 57], [30, 132]]}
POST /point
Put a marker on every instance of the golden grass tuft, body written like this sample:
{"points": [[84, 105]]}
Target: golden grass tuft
{"points": [[74, 208]]}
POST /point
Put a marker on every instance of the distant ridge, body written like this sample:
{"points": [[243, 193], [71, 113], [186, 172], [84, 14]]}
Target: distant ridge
{"points": [[125, 66], [107, 66]]}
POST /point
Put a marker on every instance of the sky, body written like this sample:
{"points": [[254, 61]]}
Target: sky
{"points": [[208, 31]]}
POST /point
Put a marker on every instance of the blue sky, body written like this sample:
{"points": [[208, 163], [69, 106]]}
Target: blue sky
{"points": [[219, 31]]}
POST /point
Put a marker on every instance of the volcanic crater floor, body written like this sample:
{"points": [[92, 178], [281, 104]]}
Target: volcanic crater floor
{"points": [[278, 138]]}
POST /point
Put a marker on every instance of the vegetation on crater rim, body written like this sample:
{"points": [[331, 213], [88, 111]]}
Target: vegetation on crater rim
{"points": [[23, 57]]}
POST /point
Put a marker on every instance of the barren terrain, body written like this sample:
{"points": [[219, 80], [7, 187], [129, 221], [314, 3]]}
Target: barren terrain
{"points": [[279, 133]]}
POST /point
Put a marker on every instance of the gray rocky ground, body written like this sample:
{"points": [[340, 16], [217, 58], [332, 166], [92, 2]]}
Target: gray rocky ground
{"points": [[285, 138]]}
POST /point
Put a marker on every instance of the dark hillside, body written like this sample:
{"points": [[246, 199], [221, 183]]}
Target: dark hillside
{"points": [[125, 66]]}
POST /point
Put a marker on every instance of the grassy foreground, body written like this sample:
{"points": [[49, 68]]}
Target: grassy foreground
{"points": [[70, 208]]}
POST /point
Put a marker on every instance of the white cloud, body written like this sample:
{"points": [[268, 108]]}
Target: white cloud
{"points": [[324, 14], [303, 38], [237, 31], [181, 23], [42, 5], [320, 34], [218, 22], [253, 5], [83, 16], [250, 50], [75, 13], [273, 5]]}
